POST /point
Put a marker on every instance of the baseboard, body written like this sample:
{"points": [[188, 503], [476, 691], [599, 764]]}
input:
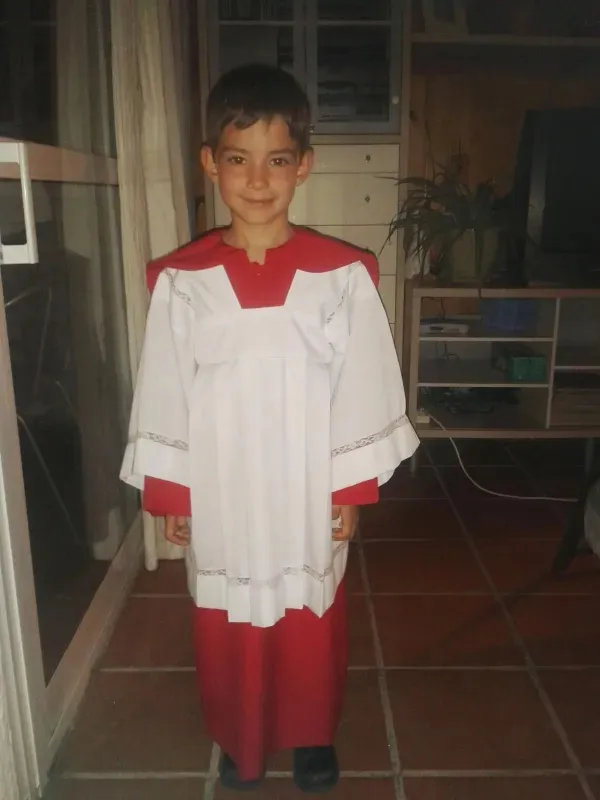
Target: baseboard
{"points": [[69, 683]]}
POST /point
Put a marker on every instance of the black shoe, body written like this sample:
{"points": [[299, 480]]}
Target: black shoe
{"points": [[316, 769], [229, 776]]}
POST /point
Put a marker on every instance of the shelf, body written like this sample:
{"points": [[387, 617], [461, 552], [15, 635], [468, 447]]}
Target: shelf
{"points": [[539, 293], [577, 359], [476, 40], [468, 374], [479, 334], [507, 422]]}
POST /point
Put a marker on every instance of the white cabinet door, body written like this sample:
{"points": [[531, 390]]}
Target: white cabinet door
{"points": [[387, 292], [376, 158], [345, 200], [369, 237]]}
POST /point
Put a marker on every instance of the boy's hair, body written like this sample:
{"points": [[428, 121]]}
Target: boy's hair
{"points": [[254, 92]]}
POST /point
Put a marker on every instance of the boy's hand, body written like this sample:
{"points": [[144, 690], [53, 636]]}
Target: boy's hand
{"points": [[177, 530], [348, 516]]}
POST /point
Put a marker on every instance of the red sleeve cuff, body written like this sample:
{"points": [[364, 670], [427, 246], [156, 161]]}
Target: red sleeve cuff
{"points": [[163, 497], [362, 494]]}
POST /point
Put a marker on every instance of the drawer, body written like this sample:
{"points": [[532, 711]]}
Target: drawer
{"points": [[387, 292], [345, 200], [357, 158], [369, 237]]}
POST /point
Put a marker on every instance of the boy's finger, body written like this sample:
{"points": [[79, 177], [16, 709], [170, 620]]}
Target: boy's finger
{"points": [[178, 537]]}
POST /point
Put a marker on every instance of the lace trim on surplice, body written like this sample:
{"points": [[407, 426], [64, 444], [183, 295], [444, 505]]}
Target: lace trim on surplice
{"points": [[170, 273], [374, 437], [178, 444], [272, 582]]}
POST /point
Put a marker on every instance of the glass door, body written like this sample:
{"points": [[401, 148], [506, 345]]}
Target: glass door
{"points": [[247, 31], [68, 544], [354, 64]]}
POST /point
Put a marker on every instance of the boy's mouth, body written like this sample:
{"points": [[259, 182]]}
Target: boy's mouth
{"points": [[255, 201]]}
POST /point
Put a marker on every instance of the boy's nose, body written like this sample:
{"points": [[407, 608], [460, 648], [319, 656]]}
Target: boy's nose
{"points": [[257, 176]]}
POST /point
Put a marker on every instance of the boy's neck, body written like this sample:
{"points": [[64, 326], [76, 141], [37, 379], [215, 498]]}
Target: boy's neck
{"points": [[257, 239]]}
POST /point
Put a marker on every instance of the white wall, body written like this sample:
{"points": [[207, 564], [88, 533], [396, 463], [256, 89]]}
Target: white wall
{"points": [[8, 775]]}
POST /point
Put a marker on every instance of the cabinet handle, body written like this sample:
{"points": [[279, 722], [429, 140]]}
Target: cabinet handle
{"points": [[368, 198], [367, 157]]}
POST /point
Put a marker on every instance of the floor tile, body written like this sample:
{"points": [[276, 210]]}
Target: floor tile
{"points": [[444, 566], [594, 782], [351, 789], [510, 519], [176, 789], [410, 519], [361, 741], [482, 719], [152, 632], [486, 452], [138, 722], [559, 482], [404, 486], [575, 694], [506, 480], [526, 566], [354, 581], [550, 788], [360, 636], [444, 630], [169, 578], [540, 452], [558, 630]]}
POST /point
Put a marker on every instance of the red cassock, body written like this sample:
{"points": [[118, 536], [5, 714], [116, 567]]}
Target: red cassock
{"points": [[266, 689]]}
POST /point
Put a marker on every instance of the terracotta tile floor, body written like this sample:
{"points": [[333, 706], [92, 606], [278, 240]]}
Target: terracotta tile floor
{"points": [[474, 674]]}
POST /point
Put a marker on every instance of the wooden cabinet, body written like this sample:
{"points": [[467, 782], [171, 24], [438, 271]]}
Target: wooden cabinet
{"points": [[346, 53], [461, 378]]}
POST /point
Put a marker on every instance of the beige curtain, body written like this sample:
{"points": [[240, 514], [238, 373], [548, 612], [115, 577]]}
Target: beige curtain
{"points": [[86, 225], [151, 91]]}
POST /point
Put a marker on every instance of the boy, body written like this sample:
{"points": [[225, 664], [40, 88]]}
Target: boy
{"points": [[269, 402]]}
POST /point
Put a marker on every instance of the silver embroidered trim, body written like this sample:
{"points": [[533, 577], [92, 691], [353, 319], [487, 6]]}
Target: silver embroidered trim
{"points": [[178, 444], [170, 273], [339, 305], [272, 582], [374, 437]]}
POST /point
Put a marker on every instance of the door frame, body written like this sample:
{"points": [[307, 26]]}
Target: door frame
{"points": [[40, 714]]}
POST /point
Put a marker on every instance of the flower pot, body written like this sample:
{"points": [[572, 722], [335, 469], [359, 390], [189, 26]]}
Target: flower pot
{"points": [[462, 257]]}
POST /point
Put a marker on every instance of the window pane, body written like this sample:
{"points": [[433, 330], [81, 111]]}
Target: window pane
{"points": [[69, 358], [354, 9], [267, 44], [256, 9], [56, 85], [6, 104], [353, 67]]}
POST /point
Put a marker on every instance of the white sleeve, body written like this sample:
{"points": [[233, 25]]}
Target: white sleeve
{"points": [[158, 430], [370, 432]]}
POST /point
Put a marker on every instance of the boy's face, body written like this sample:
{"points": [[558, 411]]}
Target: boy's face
{"points": [[257, 170]]}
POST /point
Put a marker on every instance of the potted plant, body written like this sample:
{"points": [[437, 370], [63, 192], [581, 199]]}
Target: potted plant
{"points": [[454, 226]]}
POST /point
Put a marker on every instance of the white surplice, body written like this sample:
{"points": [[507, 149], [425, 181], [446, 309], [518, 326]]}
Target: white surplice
{"points": [[263, 413]]}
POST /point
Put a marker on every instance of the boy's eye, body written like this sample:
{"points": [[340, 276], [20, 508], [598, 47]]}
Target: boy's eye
{"points": [[280, 162], [235, 160]]}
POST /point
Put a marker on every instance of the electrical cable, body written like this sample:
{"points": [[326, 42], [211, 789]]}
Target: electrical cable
{"points": [[490, 491]]}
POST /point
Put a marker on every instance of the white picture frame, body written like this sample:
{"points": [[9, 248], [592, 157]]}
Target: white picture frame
{"points": [[445, 17]]}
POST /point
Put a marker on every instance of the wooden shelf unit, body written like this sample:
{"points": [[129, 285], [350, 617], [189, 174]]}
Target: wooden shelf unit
{"points": [[453, 361]]}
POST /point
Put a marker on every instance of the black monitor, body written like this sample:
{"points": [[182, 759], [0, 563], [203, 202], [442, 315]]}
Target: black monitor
{"points": [[557, 195]]}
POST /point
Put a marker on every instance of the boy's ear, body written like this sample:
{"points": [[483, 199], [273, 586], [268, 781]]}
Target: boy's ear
{"points": [[209, 165], [305, 166]]}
